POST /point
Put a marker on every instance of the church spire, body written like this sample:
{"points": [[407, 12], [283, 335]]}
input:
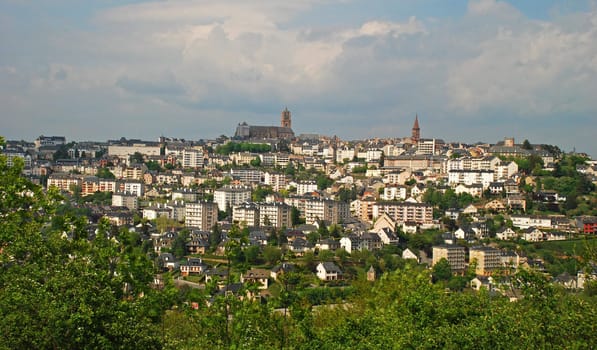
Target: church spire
{"points": [[416, 132]]}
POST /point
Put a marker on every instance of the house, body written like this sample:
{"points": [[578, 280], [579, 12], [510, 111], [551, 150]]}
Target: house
{"points": [[555, 236], [370, 241], [168, 262], [327, 244], [470, 210], [328, 271], [506, 233], [475, 190], [408, 254], [453, 213], [481, 282], [193, 266], [299, 246], [197, 246], [256, 276], [566, 280], [532, 234], [387, 236], [496, 187], [466, 233], [350, 243], [495, 205], [281, 269]]}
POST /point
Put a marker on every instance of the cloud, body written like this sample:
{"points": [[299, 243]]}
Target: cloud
{"points": [[242, 60]]}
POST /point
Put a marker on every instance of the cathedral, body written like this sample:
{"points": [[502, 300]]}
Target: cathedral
{"points": [[245, 131]]}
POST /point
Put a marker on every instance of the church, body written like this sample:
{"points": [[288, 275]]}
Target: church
{"points": [[245, 131]]}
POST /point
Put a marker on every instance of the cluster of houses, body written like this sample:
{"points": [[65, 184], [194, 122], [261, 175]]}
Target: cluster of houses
{"points": [[189, 183]]}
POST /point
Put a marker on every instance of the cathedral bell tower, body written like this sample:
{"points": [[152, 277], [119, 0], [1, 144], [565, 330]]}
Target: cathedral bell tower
{"points": [[285, 119], [416, 133]]}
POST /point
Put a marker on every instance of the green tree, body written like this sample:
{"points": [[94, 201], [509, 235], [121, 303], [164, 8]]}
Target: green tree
{"points": [[105, 173], [61, 290], [441, 271]]}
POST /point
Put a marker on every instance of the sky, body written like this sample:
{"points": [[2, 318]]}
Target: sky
{"points": [[477, 70]]}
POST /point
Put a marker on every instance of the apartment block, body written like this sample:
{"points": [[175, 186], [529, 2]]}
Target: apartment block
{"points": [[201, 215]]}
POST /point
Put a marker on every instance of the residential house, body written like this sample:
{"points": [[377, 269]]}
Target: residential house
{"points": [[408, 254], [256, 276], [328, 271], [192, 266], [506, 233], [532, 234]]}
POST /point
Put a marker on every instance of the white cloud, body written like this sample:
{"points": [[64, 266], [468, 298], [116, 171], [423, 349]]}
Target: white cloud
{"points": [[241, 60]]}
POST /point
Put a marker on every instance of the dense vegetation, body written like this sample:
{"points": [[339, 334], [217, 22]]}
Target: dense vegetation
{"points": [[232, 147]]}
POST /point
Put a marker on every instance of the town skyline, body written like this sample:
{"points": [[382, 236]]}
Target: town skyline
{"points": [[471, 70]]}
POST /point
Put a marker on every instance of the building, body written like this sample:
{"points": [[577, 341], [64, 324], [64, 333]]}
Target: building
{"points": [[587, 224], [275, 214], [128, 200], [453, 254], [192, 158], [416, 131], [328, 271], [49, 141], [401, 212], [285, 119], [471, 177], [487, 259], [64, 182], [329, 211], [201, 215], [230, 196], [257, 276], [245, 131], [246, 214], [303, 187]]}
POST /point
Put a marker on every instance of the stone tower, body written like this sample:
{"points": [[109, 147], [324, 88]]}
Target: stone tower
{"points": [[416, 133], [285, 119]]}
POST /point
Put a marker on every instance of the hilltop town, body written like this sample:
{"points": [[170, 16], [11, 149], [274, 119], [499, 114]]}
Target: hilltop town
{"points": [[234, 215]]}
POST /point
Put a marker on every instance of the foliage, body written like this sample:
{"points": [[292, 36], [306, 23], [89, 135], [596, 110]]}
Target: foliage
{"points": [[234, 147], [105, 173], [59, 289]]}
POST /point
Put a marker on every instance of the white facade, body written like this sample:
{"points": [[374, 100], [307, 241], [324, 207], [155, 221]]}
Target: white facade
{"points": [[470, 177], [391, 193], [192, 158], [230, 196], [202, 215]]}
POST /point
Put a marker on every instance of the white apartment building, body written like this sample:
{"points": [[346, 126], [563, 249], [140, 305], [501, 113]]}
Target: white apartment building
{"points": [[247, 214], [132, 186], [277, 214], [201, 215], [230, 196], [277, 181], [471, 177], [330, 211], [391, 193], [192, 158], [247, 176], [125, 200], [402, 212], [305, 187]]}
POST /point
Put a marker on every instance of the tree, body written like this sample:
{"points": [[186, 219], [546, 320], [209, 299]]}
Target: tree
{"points": [[441, 271], [272, 254], [526, 145], [215, 238], [61, 290], [105, 173]]}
